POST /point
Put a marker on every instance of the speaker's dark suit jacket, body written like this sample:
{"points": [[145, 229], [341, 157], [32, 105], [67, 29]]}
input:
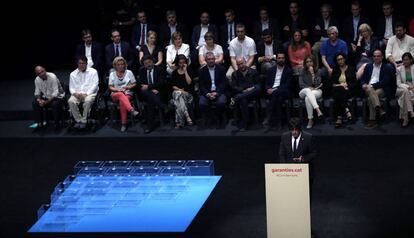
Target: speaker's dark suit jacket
{"points": [[306, 148]]}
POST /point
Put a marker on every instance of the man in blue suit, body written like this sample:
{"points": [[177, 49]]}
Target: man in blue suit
{"points": [[377, 82], [277, 89], [212, 86], [118, 48]]}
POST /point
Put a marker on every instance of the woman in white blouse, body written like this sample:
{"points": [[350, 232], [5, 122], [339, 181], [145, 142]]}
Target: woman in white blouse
{"points": [[121, 81], [176, 48], [405, 88], [210, 46]]}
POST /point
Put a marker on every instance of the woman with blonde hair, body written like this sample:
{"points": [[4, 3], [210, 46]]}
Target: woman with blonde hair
{"points": [[121, 81], [151, 48], [366, 45], [176, 48]]}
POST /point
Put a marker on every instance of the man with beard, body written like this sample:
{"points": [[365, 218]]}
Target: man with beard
{"points": [[277, 89], [398, 45]]}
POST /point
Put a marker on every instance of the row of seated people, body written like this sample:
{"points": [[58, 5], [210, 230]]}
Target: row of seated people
{"points": [[264, 56], [376, 81], [138, 25]]}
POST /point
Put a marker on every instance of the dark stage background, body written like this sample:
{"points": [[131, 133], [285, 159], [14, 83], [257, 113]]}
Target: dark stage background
{"points": [[363, 186], [51, 29]]}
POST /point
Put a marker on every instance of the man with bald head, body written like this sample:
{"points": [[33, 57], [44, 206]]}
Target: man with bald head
{"points": [[246, 87], [48, 93]]}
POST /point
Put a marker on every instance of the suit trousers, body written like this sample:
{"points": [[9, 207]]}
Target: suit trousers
{"points": [[373, 100]]}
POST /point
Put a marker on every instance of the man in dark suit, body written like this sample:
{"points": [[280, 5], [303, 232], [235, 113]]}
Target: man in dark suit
{"points": [[296, 146], [266, 59], [386, 24], [265, 22], [377, 81], [227, 33], [212, 87], [151, 87], [349, 32], [277, 89], [93, 52], [118, 48], [169, 27], [197, 37], [140, 30]]}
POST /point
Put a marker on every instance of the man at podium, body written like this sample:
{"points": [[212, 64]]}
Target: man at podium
{"points": [[296, 146]]}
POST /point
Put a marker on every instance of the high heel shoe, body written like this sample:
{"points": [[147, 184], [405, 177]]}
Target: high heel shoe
{"points": [[338, 123], [310, 124], [349, 116]]}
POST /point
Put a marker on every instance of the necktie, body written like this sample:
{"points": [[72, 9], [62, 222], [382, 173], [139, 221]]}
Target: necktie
{"points": [[294, 146], [231, 32], [149, 77], [117, 53], [142, 40]]}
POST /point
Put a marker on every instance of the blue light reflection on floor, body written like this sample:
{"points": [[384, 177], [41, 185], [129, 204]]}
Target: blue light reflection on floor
{"points": [[127, 204]]}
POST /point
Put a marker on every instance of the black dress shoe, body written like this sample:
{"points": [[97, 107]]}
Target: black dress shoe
{"points": [[148, 130]]}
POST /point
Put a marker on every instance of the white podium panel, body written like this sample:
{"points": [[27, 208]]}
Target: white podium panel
{"points": [[287, 201]]}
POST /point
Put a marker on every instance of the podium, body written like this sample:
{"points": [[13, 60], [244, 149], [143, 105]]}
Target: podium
{"points": [[287, 200]]}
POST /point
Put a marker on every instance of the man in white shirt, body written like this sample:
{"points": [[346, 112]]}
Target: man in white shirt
{"points": [[83, 87], [399, 44], [48, 93], [241, 46]]}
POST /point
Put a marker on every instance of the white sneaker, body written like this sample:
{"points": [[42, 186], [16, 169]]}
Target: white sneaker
{"points": [[123, 128], [134, 112]]}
